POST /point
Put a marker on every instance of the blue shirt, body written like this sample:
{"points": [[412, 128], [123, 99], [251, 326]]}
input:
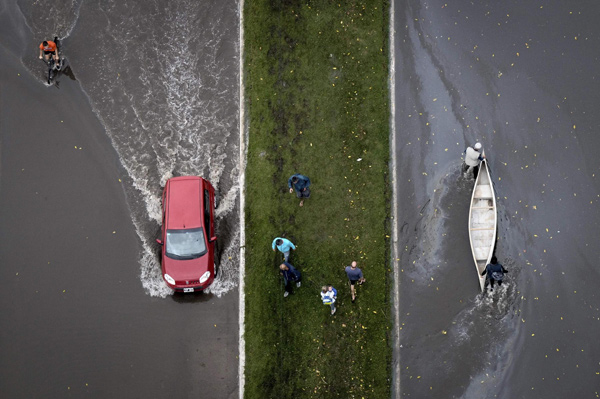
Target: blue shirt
{"points": [[302, 183], [285, 247], [354, 274]]}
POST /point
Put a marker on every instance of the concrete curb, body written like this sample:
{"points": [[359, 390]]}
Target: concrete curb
{"points": [[242, 177], [395, 391]]}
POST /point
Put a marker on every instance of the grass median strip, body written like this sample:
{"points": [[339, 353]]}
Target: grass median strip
{"points": [[317, 101]]}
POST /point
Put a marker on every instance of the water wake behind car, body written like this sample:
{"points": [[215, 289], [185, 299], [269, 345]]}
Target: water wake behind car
{"points": [[163, 79]]}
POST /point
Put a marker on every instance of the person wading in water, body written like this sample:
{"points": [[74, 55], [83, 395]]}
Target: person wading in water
{"points": [[495, 273]]}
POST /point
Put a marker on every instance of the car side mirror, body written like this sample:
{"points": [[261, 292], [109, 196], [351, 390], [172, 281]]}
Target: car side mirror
{"points": [[159, 241], [213, 239]]}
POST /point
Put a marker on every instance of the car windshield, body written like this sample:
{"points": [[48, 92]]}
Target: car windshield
{"points": [[185, 244]]}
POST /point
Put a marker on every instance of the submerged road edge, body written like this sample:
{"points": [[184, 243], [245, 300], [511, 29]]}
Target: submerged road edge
{"points": [[395, 391], [242, 179]]}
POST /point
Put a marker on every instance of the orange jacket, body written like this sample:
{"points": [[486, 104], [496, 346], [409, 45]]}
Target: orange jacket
{"points": [[50, 47]]}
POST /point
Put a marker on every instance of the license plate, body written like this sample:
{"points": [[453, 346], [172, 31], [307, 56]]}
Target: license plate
{"points": [[188, 290]]}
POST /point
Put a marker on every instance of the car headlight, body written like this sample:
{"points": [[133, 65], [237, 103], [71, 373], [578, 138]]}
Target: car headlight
{"points": [[169, 279], [204, 277]]}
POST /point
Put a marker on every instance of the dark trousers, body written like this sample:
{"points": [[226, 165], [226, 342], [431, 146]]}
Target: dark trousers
{"points": [[491, 281], [289, 284], [302, 194], [468, 168]]}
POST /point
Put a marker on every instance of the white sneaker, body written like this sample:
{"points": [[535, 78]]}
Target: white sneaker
{"points": [[298, 284], [333, 310], [285, 294]]}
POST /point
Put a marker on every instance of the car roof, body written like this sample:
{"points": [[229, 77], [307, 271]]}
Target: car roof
{"points": [[184, 201]]}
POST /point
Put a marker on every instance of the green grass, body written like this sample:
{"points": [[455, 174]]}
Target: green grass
{"points": [[316, 92]]}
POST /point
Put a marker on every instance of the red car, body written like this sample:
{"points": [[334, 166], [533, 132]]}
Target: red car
{"points": [[188, 233]]}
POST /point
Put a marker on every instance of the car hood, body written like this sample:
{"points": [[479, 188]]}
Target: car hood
{"points": [[187, 270]]}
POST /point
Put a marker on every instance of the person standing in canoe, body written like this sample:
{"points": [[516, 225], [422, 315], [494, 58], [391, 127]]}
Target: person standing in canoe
{"points": [[495, 273], [473, 156]]}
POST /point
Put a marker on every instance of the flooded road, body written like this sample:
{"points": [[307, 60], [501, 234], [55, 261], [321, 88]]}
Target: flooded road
{"points": [[522, 79], [162, 77], [150, 92]]}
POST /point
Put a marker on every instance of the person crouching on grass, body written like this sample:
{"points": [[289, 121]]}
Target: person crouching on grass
{"points": [[290, 274], [329, 296]]}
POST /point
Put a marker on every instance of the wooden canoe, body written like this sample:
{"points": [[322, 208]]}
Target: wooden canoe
{"points": [[483, 221]]}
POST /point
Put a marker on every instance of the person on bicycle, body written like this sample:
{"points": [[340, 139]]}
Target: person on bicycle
{"points": [[48, 48]]}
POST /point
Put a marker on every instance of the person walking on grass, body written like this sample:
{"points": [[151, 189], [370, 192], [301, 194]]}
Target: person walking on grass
{"points": [[300, 184], [290, 274], [329, 296], [284, 246], [355, 275], [495, 273]]}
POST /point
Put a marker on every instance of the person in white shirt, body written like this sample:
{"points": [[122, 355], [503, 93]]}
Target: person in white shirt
{"points": [[329, 296], [473, 156]]}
